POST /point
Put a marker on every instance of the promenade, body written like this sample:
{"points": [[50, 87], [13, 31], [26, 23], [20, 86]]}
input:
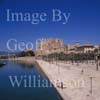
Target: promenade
{"points": [[80, 82]]}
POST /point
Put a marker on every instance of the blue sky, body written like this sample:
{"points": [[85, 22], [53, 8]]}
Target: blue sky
{"points": [[83, 24]]}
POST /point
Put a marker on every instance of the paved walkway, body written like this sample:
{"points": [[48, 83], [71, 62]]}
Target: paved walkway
{"points": [[76, 79]]}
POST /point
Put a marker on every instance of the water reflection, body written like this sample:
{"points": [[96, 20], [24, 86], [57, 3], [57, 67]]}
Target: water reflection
{"points": [[2, 64], [24, 65], [14, 93]]}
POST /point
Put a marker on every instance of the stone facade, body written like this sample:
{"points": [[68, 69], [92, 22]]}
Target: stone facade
{"points": [[47, 46]]}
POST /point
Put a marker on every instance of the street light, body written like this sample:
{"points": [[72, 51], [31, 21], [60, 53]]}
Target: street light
{"points": [[91, 85], [97, 63], [97, 59]]}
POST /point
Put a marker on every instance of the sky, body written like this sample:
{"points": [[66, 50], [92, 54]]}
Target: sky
{"points": [[83, 24]]}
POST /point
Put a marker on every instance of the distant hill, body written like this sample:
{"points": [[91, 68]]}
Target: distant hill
{"points": [[6, 53]]}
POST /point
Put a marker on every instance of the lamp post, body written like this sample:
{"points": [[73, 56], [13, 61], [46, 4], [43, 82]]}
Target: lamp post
{"points": [[56, 59], [58, 66], [99, 55], [97, 63], [97, 59], [91, 85]]}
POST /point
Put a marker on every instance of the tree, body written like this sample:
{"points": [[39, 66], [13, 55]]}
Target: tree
{"points": [[25, 53]]}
